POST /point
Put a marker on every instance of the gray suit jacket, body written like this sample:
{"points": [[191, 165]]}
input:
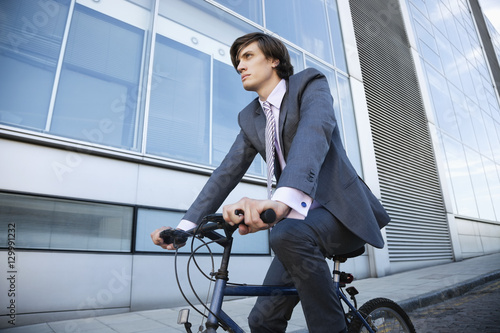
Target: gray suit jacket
{"points": [[316, 160]]}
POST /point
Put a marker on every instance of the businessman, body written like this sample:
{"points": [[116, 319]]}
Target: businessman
{"points": [[322, 206]]}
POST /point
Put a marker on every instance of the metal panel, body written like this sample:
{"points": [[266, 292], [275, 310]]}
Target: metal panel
{"points": [[409, 182]]}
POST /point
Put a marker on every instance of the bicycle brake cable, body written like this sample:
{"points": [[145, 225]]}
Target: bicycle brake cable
{"points": [[192, 256]]}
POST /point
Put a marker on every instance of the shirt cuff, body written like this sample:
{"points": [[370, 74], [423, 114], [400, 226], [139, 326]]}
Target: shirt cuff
{"points": [[186, 225], [298, 201]]}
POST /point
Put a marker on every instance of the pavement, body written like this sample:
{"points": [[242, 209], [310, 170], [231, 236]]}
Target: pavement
{"points": [[412, 290]]}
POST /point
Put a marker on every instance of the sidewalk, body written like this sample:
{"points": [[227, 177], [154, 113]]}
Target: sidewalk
{"points": [[412, 289]]}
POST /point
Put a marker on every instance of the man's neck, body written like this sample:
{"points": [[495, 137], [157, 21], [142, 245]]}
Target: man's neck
{"points": [[265, 91]]}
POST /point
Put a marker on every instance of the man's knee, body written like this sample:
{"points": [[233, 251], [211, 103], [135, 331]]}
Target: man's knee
{"points": [[270, 314], [284, 235]]}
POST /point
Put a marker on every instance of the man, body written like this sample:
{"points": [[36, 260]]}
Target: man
{"points": [[322, 206]]}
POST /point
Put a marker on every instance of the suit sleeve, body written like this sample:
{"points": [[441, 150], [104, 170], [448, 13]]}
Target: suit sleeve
{"points": [[313, 136]]}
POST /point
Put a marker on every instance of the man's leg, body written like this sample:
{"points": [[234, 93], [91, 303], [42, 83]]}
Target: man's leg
{"points": [[271, 313], [301, 247]]}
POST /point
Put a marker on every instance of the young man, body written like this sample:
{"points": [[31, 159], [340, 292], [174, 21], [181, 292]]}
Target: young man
{"points": [[322, 206]]}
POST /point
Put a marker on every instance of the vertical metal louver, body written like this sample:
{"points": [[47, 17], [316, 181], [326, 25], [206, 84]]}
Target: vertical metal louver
{"points": [[406, 164]]}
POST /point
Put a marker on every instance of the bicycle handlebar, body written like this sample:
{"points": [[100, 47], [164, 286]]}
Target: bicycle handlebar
{"points": [[176, 236]]}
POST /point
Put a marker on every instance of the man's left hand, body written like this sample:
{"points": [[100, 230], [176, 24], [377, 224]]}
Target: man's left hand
{"points": [[250, 222]]}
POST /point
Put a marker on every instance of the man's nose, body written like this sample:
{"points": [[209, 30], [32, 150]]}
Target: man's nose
{"points": [[241, 67]]}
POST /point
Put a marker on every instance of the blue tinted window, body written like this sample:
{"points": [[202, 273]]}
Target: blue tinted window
{"points": [[458, 175], [303, 23], [179, 115], [336, 32], [251, 9], [30, 40], [97, 95], [229, 98]]}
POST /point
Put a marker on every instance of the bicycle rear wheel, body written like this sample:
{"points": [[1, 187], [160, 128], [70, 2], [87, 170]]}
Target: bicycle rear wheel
{"points": [[383, 315]]}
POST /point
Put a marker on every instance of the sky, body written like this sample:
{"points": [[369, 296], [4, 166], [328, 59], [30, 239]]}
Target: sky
{"points": [[491, 8]]}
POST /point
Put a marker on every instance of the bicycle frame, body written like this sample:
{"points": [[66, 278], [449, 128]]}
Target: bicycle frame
{"points": [[218, 317]]}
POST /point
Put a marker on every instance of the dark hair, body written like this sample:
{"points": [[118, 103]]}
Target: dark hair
{"points": [[270, 46]]}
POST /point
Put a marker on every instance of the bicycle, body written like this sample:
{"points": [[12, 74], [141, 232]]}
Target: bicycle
{"points": [[376, 315]]}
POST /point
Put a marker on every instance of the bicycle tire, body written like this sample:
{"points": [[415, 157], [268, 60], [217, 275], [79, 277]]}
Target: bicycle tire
{"points": [[384, 315]]}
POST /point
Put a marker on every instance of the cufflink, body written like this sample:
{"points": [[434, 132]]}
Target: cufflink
{"points": [[303, 204]]}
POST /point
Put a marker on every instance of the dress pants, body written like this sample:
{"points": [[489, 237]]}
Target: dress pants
{"points": [[301, 247]]}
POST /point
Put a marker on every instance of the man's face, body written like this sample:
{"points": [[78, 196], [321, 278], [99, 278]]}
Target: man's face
{"points": [[257, 72]]}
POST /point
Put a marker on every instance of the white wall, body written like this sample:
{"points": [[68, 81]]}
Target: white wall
{"points": [[478, 238]]}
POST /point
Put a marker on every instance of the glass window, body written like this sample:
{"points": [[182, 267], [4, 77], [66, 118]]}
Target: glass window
{"points": [[97, 95], [151, 219], [480, 184], [53, 224], [459, 178], [179, 115], [207, 19], [443, 106], [465, 75], [349, 122], [303, 23], [430, 56], [336, 32], [426, 36], [481, 133], [229, 98], [420, 4], [251, 9], [463, 117], [451, 30], [30, 40], [296, 58], [435, 16], [493, 180], [493, 137], [448, 60]]}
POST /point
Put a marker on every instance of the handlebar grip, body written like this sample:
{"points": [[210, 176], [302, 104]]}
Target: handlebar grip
{"points": [[267, 216], [174, 236]]}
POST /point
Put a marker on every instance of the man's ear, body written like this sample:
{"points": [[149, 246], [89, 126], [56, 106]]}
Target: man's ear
{"points": [[276, 62]]}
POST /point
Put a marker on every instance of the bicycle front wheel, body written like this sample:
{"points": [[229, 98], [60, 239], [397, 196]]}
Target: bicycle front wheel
{"points": [[383, 315]]}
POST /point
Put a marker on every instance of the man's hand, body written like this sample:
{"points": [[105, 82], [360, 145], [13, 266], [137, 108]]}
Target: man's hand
{"points": [[251, 218], [157, 240]]}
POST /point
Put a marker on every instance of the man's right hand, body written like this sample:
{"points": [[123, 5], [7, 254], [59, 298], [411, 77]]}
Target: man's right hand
{"points": [[157, 240]]}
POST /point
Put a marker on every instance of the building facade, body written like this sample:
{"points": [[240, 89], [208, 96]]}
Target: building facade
{"points": [[113, 114]]}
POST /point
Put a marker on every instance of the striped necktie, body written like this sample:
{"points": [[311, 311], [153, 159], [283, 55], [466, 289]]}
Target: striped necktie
{"points": [[270, 140]]}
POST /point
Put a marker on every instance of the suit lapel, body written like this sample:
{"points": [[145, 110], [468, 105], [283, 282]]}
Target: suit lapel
{"points": [[260, 124], [284, 108]]}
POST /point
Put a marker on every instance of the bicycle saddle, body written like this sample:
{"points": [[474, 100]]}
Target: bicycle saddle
{"points": [[345, 256]]}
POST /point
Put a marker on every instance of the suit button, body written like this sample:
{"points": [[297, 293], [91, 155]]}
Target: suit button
{"points": [[303, 204]]}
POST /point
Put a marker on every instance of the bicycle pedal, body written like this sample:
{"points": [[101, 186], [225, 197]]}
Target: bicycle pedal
{"points": [[183, 316]]}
